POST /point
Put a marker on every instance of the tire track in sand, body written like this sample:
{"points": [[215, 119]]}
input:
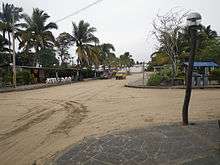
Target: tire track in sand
{"points": [[74, 114]]}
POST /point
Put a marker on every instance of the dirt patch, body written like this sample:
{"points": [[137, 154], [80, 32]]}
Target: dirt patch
{"points": [[38, 119], [75, 114], [35, 125], [148, 119]]}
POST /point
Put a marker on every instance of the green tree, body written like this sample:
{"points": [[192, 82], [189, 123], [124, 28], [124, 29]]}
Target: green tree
{"points": [[84, 38], [126, 60], [25, 58], [37, 33], [166, 30], [106, 53], [208, 48], [47, 57], [159, 59], [8, 12], [208, 45], [63, 43], [6, 20], [209, 32], [113, 61]]}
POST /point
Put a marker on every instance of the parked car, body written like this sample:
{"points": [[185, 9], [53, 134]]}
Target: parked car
{"points": [[120, 75]]}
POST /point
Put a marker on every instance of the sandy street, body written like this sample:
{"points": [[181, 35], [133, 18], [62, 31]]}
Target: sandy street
{"points": [[35, 125]]}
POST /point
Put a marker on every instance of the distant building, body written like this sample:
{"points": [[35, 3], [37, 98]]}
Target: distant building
{"points": [[138, 68]]}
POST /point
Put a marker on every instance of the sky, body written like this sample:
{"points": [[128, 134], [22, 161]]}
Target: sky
{"points": [[127, 24]]}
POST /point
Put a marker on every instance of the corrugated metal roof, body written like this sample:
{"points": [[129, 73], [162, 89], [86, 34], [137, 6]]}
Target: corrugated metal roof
{"points": [[203, 64]]}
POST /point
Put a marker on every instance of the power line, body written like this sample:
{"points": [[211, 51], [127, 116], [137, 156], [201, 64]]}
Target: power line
{"points": [[80, 10]]}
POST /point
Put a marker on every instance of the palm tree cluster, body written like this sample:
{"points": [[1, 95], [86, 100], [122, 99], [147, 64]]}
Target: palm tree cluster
{"points": [[37, 44], [33, 33]]}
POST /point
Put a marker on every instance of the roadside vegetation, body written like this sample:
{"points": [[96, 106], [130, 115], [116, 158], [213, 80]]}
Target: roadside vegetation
{"points": [[173, 47], [38, 47]]}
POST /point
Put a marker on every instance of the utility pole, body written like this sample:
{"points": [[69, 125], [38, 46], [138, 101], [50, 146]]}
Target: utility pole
{"points": [[13, 42]]}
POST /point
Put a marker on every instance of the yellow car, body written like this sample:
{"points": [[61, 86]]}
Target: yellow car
{"points": [[120, 75]]}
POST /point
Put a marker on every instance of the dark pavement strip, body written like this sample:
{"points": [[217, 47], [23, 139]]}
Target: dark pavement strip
{"points": [[165, 144]]}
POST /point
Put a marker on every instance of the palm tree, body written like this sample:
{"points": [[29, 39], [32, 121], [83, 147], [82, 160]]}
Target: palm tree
{"points": [[84, 38], [126, 60], [112, 61], [209, 32], [36, 33], [6, 19], [106, 54]]}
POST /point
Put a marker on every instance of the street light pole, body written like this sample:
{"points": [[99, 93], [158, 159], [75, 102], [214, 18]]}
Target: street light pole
{"points": [[193, 34], [194, 23], [14, 60]]}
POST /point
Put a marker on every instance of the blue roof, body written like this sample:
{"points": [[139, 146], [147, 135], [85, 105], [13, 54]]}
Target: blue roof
{"points": [[203, 64]]}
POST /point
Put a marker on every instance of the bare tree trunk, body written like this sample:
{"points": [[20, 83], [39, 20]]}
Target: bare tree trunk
{"points": [[189, 77], [9, 46], [36, 57], [9, 40], [173, 73]]}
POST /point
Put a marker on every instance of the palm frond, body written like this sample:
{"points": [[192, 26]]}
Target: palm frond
{"points": [[51, 25], [27, 19]]}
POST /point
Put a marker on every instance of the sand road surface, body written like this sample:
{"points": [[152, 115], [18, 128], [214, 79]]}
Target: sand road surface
{"points": [[35, 125]]}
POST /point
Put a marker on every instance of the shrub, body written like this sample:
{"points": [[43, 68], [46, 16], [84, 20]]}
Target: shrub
{"points": [[33, 79], [7, 77], [181, 75], [215, 75], [154, 79], [87, 73], [166, 74], [23, 77]]}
